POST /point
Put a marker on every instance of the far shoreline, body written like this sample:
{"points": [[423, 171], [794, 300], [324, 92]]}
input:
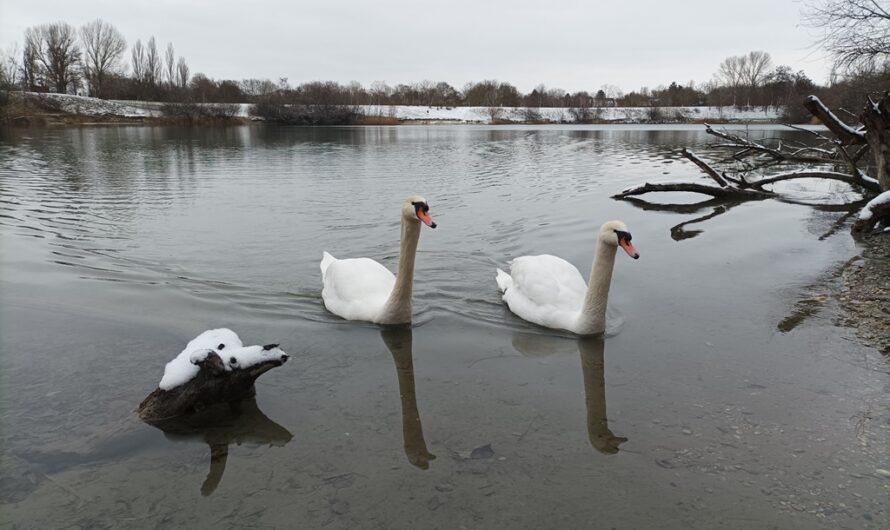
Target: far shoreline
{"points": [[27, 109]]}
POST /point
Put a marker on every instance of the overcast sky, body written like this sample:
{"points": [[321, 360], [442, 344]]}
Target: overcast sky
{"points": [[574, 45]]}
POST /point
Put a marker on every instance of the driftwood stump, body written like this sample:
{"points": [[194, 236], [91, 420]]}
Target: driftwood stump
{"points": [[212, 385]]}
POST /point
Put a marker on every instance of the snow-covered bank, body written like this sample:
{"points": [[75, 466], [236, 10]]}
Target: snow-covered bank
{"points": [[93, 106], [82, 105]]}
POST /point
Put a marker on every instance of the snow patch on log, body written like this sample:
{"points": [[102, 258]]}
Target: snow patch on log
{"points": [[868, 211], [223, 342]]}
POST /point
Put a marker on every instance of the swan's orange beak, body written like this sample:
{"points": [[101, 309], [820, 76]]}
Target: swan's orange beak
{"points": [[629, 248], [425, 217]]}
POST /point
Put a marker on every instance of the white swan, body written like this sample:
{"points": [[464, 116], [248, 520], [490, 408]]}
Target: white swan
{"points": [[362, 289], [550, 291]]}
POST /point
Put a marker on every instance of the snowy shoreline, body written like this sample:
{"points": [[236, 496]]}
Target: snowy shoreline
{"points": [[87, 106]]}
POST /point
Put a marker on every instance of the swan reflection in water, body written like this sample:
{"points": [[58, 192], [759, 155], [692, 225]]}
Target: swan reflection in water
{"points": [[592, 351], [218, 427], [399, 339]]}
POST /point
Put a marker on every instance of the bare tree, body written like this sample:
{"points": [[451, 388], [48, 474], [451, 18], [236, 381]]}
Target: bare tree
{"points": [[856, 32], [555, 97], [755, 67], [448, 94], [152, 63], [138, 57], [258, 87], [9, 67], [380, 92], [53, 48], [427, 90], [611, 91], [31, 76], [357, 94], [103, 47], [170, 65], [730, 71], [540, 93], [742, 74], [182, 72]]}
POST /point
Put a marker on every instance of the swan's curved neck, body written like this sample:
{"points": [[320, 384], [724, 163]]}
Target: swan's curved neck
{"points": [[397, 309], [593, 314]]}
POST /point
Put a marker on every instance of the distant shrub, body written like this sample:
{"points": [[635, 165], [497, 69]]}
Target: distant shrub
{"points": [[193, 111], [531, 115], [653, 114], [274, 111], [795, 112], [581, 114]]}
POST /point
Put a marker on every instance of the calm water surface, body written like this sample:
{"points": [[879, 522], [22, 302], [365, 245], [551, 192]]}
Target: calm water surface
{"points": [[118, 245]]}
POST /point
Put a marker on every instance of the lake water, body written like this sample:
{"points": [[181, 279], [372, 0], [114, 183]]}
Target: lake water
{"points": [[727, 406]]}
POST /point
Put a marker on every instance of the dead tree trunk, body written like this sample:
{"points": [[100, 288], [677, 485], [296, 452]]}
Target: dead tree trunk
{"points": [[876, 119]]}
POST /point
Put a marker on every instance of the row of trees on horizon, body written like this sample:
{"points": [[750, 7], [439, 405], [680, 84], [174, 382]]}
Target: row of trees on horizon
{"points": [[94, 60]]}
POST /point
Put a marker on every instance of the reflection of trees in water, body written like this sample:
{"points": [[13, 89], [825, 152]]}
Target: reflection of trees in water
{"points": [[219, 427], [322, 137], [592, 352], [399, 341]]}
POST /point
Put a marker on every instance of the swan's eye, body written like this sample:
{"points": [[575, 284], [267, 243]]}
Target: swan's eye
{"points": [[268, 347], [233, 361], [221, 346], [421, 206]]}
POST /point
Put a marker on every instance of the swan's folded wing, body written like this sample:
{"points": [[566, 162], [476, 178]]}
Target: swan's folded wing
{"points": [[356, 288], [549, 281]]}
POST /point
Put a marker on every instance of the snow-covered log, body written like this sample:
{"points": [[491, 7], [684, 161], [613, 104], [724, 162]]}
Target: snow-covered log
{"points": [[876, 211], [847, 135]]}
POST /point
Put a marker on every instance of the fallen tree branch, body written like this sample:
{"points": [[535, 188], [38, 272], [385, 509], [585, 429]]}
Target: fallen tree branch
{"points": [[747, 147], [705, 167], [743, 143], [848, 135], [867, 183], [817, 134], [734, 188]]}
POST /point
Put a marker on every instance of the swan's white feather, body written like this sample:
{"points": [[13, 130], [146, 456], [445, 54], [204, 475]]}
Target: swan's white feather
{"points": [[326, 260], [504, 280], [545, 289], [356, 288]]}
